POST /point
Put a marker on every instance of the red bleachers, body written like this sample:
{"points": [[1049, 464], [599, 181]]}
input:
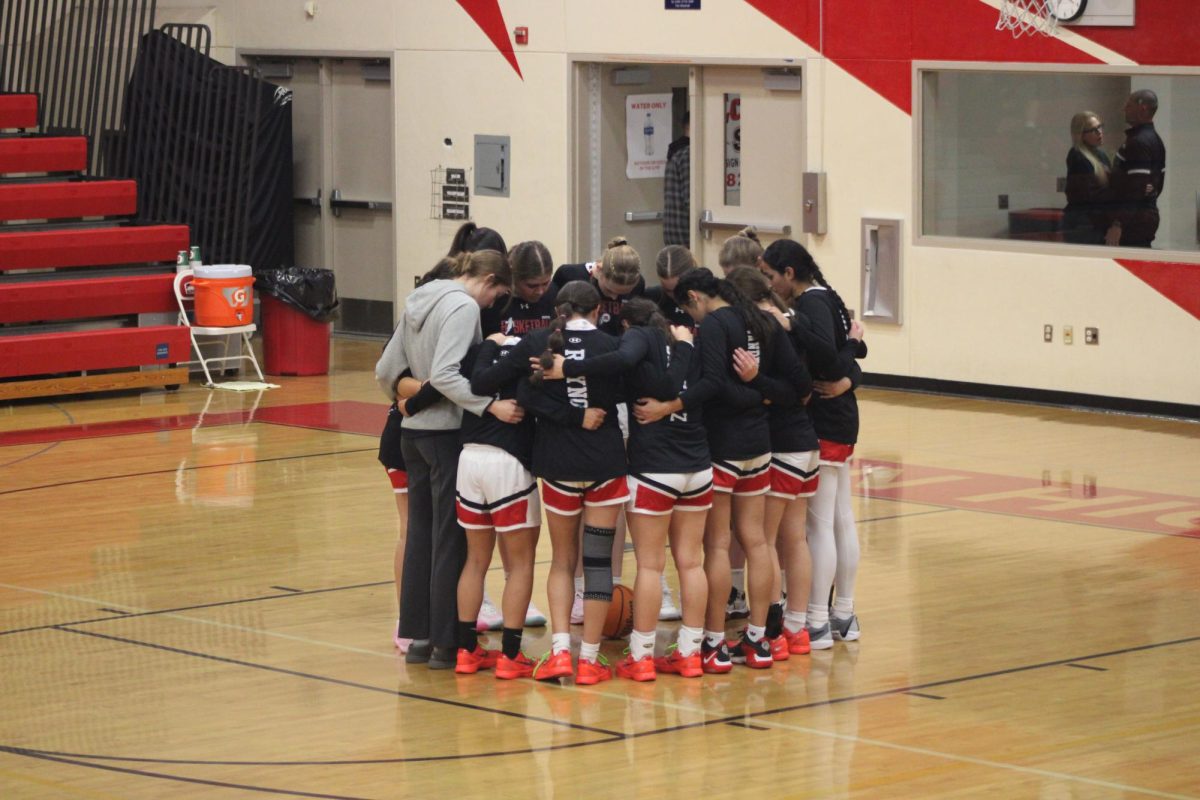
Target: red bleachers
{"points": [[66, 200], [50, 353], [18, 110], [36, 358], [91, 247], [38, 301], [43, 154]]}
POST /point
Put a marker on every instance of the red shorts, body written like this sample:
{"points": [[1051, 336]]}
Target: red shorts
{"points": [[399, 479], [569, 497], [835, 454], [794, 475], [660, 493], [748, 477]]}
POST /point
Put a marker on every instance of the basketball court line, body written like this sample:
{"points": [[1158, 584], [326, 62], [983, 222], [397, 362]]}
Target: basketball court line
{"points": [[979, 762]]}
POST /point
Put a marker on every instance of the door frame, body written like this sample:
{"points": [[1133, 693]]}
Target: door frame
{"points": [[240, 57], [579, 236]]}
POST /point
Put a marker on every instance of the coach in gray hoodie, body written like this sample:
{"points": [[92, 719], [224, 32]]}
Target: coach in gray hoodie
{"points": [[439, 323]]}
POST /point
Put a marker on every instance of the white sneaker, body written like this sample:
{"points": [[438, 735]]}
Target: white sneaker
{"points": [[577, 609], [534, 618], [668, 610], [737, 607], [490, 618]]}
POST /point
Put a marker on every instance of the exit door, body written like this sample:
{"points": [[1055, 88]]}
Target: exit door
{"points": [[342, 145]]}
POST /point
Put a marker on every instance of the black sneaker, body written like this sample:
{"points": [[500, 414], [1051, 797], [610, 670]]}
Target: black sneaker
{"points": [[443, 658], [736, 607], [715, 660], [418, 652]]}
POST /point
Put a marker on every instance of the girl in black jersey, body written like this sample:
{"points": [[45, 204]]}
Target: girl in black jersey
{"points": [[739, 440], [794, 464], [616, 277], [530, 307], [496, 494], [832, 536], [672, 262], [670, 483], [580, 457]]}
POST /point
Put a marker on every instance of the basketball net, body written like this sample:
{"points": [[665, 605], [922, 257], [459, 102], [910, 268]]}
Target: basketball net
{"points": [[1026, 16]]}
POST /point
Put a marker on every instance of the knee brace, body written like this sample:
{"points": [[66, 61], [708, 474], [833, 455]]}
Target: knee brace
{"points": [[597, 562]]}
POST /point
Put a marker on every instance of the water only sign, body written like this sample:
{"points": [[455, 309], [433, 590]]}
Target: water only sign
{"points": [[647, 134]]}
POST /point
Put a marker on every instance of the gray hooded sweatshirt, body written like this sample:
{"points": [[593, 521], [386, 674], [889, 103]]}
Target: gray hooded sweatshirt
{"points": [[439, 322]]}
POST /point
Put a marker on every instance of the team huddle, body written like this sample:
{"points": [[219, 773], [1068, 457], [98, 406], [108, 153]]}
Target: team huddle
{"points": [[712, 414]]}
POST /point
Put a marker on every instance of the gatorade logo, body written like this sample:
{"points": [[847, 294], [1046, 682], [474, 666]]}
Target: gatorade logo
{"points": [[236, 296]]}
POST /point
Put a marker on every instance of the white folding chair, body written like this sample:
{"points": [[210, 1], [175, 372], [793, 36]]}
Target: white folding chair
{"points": [[185, 318]]}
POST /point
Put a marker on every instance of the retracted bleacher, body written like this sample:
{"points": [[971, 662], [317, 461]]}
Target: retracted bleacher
{"points": [[75, 272]]}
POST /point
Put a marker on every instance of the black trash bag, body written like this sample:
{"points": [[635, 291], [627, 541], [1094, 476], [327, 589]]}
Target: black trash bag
{"points": [[306, 289]]}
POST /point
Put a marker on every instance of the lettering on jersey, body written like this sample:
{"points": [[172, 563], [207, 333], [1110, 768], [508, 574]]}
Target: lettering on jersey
{"points": [[520, 327], [577, 394], [679, 416], [753, 347]]}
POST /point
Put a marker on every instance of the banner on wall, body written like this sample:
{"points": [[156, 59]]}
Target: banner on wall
{"points": [[647, 134]]}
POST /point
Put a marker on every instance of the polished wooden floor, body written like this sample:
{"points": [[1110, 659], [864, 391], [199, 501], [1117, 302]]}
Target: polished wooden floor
{"points": [[195, 601]]}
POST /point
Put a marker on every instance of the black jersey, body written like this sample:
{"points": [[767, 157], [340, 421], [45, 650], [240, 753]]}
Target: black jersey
{"points": [[654, 368], [735, 415], [562, 449], [835, 419], [515, 317], [790, 424], [514, 439], [669, 308], [610, 308]]}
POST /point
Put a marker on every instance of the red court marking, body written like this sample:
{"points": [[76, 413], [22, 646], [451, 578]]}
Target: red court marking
{"points": [[343, 416], [122, 427], [1088, 504]]}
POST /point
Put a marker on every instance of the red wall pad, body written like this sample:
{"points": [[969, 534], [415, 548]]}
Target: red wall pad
{"points": [[89, 297], [63, 200], [51, 353], [43, 154], [91, 247], [18, 111]]}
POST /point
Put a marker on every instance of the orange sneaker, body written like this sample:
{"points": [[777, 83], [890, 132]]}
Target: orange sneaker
{"points": [[553, 665], [469, 662], [779, 648], [676, 664], [590, 672], [640, 670], [508, 669], [798, 644]]}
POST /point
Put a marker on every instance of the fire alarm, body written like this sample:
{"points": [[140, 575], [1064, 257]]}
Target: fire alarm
{"points": [[521, 34]]}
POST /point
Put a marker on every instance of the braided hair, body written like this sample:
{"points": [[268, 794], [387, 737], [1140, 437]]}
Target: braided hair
{"points": [[577, 297], [701, 280], [784, 253]]}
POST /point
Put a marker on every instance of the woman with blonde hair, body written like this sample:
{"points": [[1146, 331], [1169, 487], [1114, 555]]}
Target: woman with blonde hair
{"points": [[740, 250], [1086, 217]]}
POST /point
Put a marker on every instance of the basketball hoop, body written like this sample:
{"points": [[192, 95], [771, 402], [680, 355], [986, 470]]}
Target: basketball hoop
{"points": [[1027, 16]]}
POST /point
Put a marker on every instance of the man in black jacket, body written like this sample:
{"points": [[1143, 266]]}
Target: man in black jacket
{"points": [[1138, 174]]}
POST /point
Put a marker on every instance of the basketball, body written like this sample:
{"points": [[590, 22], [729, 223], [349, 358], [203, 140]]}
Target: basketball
{"points": [[619, 621]]}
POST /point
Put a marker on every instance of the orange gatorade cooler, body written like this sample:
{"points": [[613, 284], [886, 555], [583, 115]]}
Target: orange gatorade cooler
{"points": [[224, 295]]}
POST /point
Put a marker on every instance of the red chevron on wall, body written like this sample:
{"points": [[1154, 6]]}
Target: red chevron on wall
{"points": [[490, 19]]}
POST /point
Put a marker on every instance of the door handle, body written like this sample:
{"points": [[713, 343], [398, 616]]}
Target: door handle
{"points": [[643, 216], [337, 203], [708, 225]]}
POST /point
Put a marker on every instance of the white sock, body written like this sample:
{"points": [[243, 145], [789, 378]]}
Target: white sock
{"points": [[755, 632], [714, 638], [794, 621], [818, 615], [843, 607], [739, 579], [560, 643], [579, 586], [589, 652], [487, 600], [689, 640], [662, 579], [641, 644]]}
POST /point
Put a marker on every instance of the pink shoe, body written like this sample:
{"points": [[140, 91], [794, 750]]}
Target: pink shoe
{"points": [[401, 644]]}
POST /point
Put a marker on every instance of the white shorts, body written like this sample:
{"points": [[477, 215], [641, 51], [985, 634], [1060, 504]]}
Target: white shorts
{"points": [[660, 493], [569, 497], [495, 491], [748, 477], [794, 475]]}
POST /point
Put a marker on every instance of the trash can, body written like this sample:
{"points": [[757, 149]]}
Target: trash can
{"points": [[298, 306]]}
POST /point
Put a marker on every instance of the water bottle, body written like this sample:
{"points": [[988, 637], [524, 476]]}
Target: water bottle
{"points": [[648, 129]]}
